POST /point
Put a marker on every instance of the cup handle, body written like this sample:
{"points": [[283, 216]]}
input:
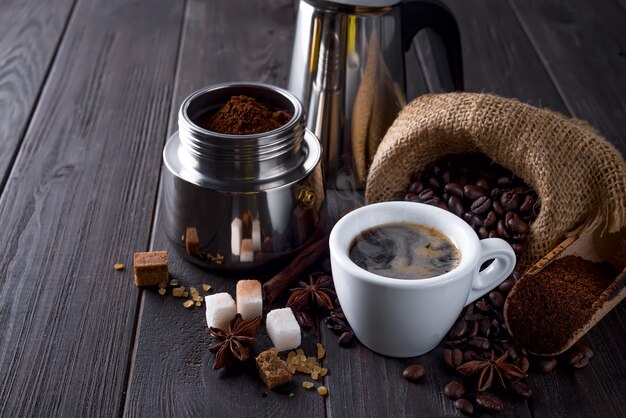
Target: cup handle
{"points": [[503, 257]]}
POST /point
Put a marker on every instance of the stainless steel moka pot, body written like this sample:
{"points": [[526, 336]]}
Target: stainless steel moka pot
{"points": [[348, 70], [239, 201]]}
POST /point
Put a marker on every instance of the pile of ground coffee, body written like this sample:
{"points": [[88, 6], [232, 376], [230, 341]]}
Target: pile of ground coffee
{"points": [[243, 115], [549, 307]]}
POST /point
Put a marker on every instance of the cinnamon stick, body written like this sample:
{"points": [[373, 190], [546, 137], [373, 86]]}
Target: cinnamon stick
{"points": [[281, 282]]}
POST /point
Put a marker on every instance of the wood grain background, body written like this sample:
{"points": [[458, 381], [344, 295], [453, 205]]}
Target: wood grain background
{"points": [[89, 93]]}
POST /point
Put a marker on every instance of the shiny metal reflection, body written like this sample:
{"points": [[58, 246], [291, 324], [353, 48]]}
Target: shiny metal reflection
{"points": [[236, 201], [348, 70]]}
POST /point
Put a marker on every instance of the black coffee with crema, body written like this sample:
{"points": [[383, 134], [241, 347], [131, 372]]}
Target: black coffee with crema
{"points": [[404, 250]]}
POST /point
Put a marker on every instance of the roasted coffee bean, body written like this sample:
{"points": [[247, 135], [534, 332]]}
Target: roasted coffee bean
{"points": [[523, 364], [443, 205], [485, 327], [410, 197], [472, 219], [453, 357], [502, 231], [464, 406], [498, 316], [517, 225], [473, 192], [469, 310], [577, 358], [470, 355], [496, 299], [480, 343], [497, 208], [527, 204], [495, 193], [519, 238], [493, 234], [346, 338], [548, 364], [513, 203], [454, 189], [518, 248], [483, 306], [481, 205], [462, 181], [416, 187], [506, 286], [507, 219], [456, 206], [484, 183], [521, 190], [584, 349], [426, 194], [495, 327], [434, 183], [521, 389], [491, 219], [459, 330], [482, 232], [516, 275], [504, 181], [474, 328], [457, 357], [489, 403], [446, 176], [454, 390], [414, 373], [432, 201], [335, 324], [513, 355], [475, 315]]}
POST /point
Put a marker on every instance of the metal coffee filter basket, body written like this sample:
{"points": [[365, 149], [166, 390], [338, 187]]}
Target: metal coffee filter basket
{"points": [[239, 201]]}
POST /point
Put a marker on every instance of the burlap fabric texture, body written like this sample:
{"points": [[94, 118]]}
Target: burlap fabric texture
{"points": [[580, 177]]}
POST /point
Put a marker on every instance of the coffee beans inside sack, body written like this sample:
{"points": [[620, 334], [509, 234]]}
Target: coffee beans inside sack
{"points": [[579, 177]]}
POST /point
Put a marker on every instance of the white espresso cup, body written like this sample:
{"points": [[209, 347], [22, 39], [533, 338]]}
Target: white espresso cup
{"points": [[409, 317]]}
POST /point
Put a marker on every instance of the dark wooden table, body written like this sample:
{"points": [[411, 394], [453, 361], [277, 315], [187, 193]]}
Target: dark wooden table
{"points": [[89, 92]]}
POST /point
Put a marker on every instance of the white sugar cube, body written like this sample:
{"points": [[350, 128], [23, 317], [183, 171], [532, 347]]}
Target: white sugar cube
{"points": [[235, 236], [256, 235], [220, 310], [247, 251], [283, 329], [249, 298]]}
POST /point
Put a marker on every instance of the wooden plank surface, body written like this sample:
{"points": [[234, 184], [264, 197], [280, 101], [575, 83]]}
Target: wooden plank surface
{"points": [[172, 371], [30, 32], [580, 47], [80, 198], [498, 58], [494, 52], [593, 89], [79, 339]]}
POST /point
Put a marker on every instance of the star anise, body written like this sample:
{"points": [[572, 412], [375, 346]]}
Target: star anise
{"points": [[318, 292], [234, 345], [487, 368]]}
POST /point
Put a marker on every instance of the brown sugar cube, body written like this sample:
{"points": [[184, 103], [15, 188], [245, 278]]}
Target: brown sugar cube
{"points": [[192, 242], [272, 369], [151, 268]]}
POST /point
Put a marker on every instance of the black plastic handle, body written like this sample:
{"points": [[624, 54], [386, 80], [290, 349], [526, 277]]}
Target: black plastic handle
{"points": [[421, 14]]}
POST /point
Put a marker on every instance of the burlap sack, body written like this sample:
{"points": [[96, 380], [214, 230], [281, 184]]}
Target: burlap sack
{"points": [[579, 176], [378, 100]]}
